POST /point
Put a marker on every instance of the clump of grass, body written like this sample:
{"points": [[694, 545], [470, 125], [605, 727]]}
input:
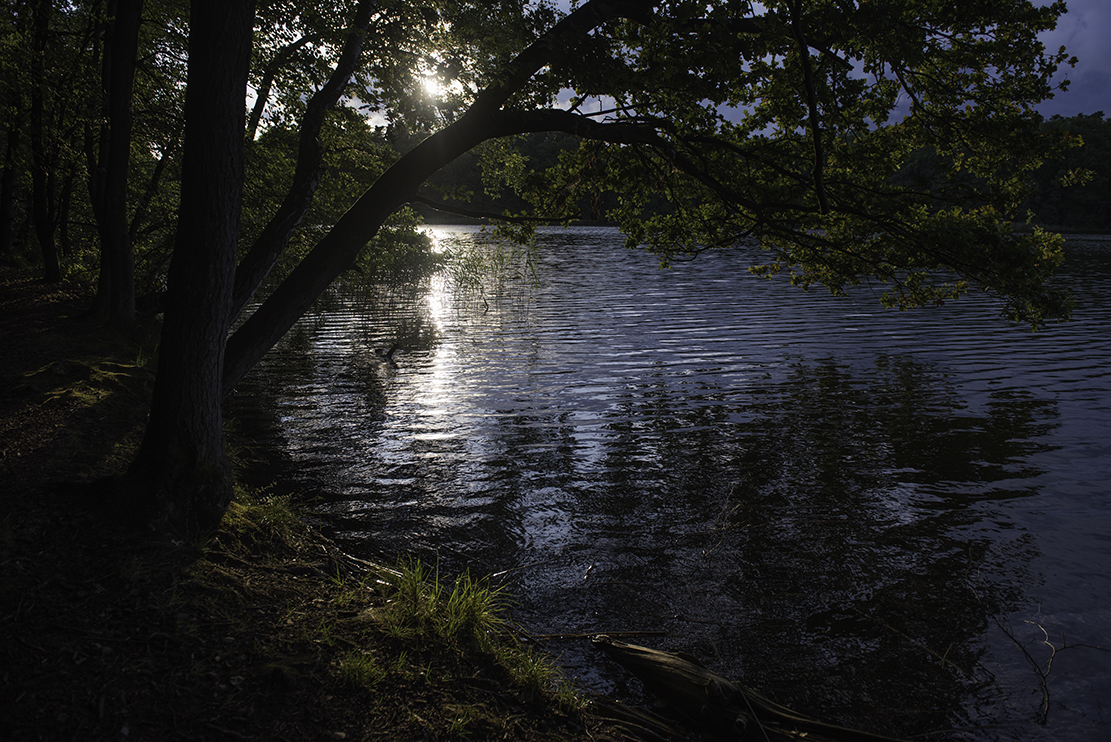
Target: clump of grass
{"points": [[353, 592], [423, 607], [467, 614], [361, 669], [146, 356], [461, 718], [259, 516], [489, 265]]}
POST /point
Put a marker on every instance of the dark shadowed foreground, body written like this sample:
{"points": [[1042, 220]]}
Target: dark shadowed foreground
{"points": [[267, 632]]}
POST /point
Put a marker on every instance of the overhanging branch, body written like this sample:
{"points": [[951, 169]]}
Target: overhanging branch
{"points": [[812, 109], [476, 214]]}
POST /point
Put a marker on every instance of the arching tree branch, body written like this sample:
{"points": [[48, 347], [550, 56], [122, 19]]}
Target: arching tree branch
{"points": [[812, 107], [275, 236]]}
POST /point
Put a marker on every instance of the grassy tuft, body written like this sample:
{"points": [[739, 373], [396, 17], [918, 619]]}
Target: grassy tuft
{"points": [[468, 616], [422, 607], [257, 516], [362, 670]]}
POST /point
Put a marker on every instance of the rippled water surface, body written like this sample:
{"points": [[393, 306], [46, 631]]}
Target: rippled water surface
{"points": [[899, 521]]}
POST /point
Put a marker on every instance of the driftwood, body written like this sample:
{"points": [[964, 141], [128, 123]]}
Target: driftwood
{"points": [[717, 704]]}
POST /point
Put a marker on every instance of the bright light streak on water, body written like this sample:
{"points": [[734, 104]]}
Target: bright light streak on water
{"points": [[852, 509]]}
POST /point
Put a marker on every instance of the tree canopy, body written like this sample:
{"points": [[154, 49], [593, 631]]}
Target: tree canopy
{"points": [[787, 121], [1073, 191], [891, 141]]}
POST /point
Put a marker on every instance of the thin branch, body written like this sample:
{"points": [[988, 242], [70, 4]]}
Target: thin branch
{"points": [[812, 107], [269, 73], [476, 214]]}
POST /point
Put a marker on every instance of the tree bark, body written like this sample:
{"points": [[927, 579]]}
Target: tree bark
{"points": [[115, 298], [181, 478], [7, 187], [42, 176]]}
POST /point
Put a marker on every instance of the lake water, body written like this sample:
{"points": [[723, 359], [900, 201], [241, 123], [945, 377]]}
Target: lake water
{"points": [[895, 521]]}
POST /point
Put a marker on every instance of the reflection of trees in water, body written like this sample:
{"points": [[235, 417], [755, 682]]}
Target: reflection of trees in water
{"points": [[835, 522], [826, 533], [345, 332], [853, 548]]}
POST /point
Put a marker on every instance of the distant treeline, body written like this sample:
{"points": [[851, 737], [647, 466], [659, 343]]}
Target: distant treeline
{"points": [[1071, 193], [1085, 205]]}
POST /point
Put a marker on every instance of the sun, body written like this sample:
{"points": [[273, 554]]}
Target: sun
{"points": [[433, 88]]}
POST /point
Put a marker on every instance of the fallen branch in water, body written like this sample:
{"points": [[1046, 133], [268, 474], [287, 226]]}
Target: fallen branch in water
{"points": [[1043, 669], [942, 658], [715, 703]]}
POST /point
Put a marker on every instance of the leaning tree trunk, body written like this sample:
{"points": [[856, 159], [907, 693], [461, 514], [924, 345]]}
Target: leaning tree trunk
{"points": [[269, 72], [264, 254], [181, 479], [338, 250]]}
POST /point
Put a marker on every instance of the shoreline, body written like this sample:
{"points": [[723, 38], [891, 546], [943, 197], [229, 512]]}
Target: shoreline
{"points": [[268, 631]]}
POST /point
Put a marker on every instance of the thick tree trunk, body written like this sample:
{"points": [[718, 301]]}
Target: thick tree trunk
{"points": [[42, 177], [115, 298], [7, 188], [181, 479]]}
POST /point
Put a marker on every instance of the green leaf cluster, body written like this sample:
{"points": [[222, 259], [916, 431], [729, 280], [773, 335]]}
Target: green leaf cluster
{"points": [[883, 141]]}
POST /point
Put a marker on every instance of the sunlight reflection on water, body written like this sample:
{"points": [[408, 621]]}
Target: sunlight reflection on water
{"points": [[849, 508]]}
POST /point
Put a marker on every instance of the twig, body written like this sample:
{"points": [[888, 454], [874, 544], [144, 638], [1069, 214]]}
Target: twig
{"points": [[225, 731], [522, 567], [1043, 669], [592, 634], [940, 658], [1042, 674]]}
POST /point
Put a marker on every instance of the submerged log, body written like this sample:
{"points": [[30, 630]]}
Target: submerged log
{"points": [[718, 704]]}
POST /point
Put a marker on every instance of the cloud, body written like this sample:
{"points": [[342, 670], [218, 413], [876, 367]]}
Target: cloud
{"points": [[1083, 32]]}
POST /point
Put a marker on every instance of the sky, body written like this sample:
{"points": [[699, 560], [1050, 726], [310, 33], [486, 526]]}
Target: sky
{"points": [[1084, 32]]}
